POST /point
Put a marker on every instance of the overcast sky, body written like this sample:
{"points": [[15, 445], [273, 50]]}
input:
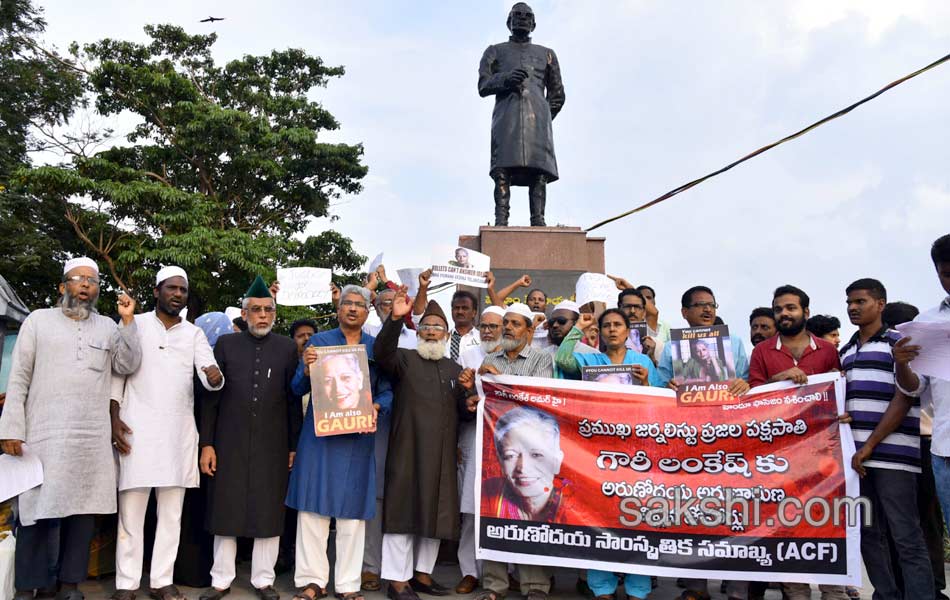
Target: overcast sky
{"points": [[658, 93]]}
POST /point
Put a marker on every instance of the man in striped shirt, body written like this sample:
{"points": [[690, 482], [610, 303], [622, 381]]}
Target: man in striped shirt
{"points": [[882, 399]]}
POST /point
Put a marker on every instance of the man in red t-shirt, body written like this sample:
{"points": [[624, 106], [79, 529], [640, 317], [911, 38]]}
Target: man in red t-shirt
{"points": [[793, 354]]}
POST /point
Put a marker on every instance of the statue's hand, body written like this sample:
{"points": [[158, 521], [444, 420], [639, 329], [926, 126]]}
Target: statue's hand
{"points": [[515, 78]]}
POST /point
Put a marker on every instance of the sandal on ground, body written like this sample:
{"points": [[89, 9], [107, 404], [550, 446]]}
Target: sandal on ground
{"points": [[169, 592], [369, 582], [350, 595], [213, 593], [488, 595], [123, 595], [318, 592], [267, 593]]}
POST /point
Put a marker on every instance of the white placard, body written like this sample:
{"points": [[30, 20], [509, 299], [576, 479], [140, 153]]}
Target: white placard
{"points": [[466, 267], [374, 264], [303, 286], [409, 277], [595, 287], [20, 473], [933, 337]]}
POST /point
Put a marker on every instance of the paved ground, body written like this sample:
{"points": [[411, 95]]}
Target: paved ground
{"points": [[565, 581]]}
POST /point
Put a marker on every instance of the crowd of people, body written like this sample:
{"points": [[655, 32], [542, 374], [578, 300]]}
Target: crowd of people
{"points": [[215, 418]]}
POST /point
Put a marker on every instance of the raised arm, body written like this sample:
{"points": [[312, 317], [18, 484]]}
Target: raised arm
{"points": [[498, 298], [422, 297], [564, 359]]}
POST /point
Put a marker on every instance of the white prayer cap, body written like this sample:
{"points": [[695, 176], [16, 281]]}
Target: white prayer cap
{"points": [[568, 305], [80, 261], [169, 272], [494, 310], [522, 309], [232, 312]]}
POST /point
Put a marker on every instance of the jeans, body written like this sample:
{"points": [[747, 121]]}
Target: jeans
{"points": [[893, 497], [604, 583]]}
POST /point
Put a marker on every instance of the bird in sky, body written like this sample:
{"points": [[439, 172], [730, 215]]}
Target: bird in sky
{"points": [[211, 19]]}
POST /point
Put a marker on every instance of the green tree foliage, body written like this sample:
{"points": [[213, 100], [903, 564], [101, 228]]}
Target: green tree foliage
{"points": [[37, 93], [220, 175]]}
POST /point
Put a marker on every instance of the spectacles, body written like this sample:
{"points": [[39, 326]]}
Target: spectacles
{"points": [[259, 309], [81, 278], [354, 303], [431, 328], [633, 306], [558, 321], [703, 305], [489, 327]]}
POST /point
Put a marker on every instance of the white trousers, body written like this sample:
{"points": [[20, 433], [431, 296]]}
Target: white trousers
{"points": [[373, 547], [130, 545], [263, 559], [313, 565], [466, 554], [399, 549]]}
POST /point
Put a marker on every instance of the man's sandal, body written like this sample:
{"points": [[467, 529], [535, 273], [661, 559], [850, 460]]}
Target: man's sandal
{"points": [[488, 595], [350, 595], [318, 592], [169, 592]]}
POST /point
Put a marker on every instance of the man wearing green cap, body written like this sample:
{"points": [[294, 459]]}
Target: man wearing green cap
{"points": [[248, 439]]}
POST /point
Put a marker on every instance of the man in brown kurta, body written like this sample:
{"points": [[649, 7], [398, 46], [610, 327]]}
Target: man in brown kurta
{"points": [[421, 503]]}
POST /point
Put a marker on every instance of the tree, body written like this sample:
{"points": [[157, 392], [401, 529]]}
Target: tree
{"points": [[221, 174], [37, 93]]}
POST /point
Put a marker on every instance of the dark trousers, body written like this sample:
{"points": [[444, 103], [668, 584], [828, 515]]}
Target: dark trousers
{"points": [[931, 522], [892, 493], [53, 550]]}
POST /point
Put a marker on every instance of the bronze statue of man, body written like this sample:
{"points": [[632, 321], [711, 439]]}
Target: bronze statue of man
{"points": [[525, 79]]}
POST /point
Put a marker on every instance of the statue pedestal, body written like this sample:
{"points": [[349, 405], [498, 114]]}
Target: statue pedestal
{"points": [[554, 257]]}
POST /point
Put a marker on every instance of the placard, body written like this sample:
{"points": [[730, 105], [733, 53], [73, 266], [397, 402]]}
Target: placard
{"points": [[303, 286], [341, 394]]}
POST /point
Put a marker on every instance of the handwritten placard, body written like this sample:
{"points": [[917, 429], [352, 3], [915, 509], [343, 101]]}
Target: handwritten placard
{"points": [[303, 286], [595, 287]]}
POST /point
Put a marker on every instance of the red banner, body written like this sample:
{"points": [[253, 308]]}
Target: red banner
{"points": [[621, 478]]}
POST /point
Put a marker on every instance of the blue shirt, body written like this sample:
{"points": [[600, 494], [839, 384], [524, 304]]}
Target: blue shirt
{"points": [[739, 359], [335, 476], [570, 362]]}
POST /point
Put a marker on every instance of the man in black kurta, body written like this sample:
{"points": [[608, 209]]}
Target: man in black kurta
{"points": [[249, 434], [421, 503]]}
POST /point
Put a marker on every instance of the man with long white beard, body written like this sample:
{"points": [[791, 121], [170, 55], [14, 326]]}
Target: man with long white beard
{"points": [[248, 441], [489, 331], [153, 429], [516, 356], [57, 409], [421, 504]]}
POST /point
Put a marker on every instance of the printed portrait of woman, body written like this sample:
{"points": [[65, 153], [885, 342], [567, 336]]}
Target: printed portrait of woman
{"points": [[528, 446], [342, 382]]}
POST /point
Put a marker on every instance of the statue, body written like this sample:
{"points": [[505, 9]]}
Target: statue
{"points": [[518, 73]]}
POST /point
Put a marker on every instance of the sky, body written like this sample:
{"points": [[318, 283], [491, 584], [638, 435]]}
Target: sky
{"points": [[658, 93]]}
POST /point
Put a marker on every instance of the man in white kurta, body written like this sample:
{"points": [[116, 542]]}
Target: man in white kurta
{"points": [[155, 433], [57, 410], [489, 330]]}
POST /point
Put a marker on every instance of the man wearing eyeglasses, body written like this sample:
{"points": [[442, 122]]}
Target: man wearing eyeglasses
{"points": [[248, 441], [55, 409], [633, 303], [490, 329], [421, 504]]}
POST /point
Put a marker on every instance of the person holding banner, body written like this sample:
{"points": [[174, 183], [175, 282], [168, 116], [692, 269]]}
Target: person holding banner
{"points": [[791, 355], [525, 495], [882, 397], [699, 309], [490, 329], [335, 475], [614, 330], [420, 506]]}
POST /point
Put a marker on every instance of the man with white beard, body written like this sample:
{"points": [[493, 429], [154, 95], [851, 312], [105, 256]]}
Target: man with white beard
{"points": [[489, 331], [421, 504], [57, 409]]}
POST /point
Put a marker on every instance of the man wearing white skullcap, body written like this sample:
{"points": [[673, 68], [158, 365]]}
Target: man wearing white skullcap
{"points": [[64, 362], [154, 432], [489, 330], [515, 357]]}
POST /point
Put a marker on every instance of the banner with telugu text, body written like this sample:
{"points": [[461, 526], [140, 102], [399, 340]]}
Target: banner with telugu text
{"points": [[622, 478]]}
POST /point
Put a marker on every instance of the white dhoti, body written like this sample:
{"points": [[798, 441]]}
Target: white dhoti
{"points": [[403, 551], [130, 545], [313, 566]]}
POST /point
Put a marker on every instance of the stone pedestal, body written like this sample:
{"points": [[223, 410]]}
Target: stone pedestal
{"points": [[554, 257]]}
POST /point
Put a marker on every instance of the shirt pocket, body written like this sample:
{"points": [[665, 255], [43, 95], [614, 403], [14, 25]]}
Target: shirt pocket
{"points": [[100, 355]]}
